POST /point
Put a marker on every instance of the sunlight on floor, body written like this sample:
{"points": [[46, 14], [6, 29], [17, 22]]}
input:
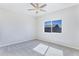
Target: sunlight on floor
{"points": [[47, 50], [41, 48]]}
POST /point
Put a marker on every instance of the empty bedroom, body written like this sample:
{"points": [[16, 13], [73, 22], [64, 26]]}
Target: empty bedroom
{"points": [[39, 29]]}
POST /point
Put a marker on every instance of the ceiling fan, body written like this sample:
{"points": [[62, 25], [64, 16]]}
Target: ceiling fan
{"points": [[37, 7]]}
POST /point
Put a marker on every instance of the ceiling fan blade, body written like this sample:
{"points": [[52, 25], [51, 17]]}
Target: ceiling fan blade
{"points": [[43, 5], [37, 5], [33, 4], [31, 9], [42, 10]]}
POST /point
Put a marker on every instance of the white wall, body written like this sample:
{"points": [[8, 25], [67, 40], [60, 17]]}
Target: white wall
{"points": [[69, 36], [15, 28]]}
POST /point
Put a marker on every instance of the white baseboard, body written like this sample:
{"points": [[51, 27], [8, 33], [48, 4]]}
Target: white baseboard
{"points": [[13, 42], [62, 44]]}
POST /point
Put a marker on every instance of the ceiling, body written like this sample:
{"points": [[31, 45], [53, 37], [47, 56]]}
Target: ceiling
{"points": [[22, 7]]}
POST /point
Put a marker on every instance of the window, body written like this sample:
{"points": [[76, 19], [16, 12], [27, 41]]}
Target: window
{"points": [[53, 26]]}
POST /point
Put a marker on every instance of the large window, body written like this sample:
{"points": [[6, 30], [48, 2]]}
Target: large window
{"points": [[53, 26]]}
